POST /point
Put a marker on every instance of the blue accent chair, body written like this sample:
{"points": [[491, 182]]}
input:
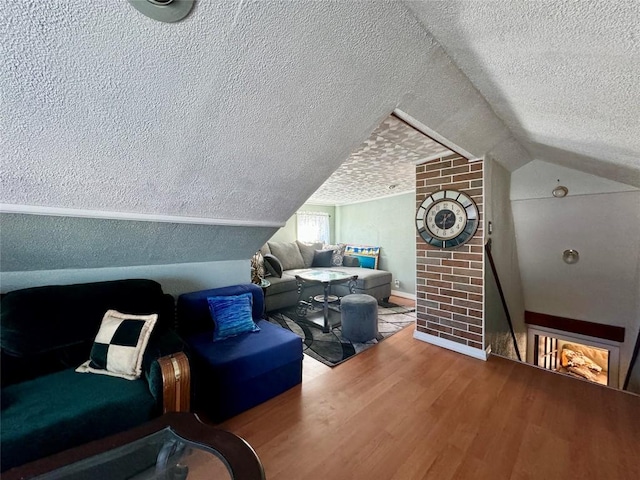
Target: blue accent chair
{"points": [[237, 373]]}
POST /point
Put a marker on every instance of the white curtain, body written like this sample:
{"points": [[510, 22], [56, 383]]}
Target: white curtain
{"points": [[313, 227]]}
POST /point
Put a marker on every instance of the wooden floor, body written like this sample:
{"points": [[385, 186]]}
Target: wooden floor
{"points": [[409, 410]]}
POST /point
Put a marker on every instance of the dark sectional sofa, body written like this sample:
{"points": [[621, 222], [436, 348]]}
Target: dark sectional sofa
{"points": [[45, 333], [283, 291]]}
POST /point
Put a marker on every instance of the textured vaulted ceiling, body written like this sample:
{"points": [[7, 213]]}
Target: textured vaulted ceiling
{"points": [[385, 164], [243, 109], [562, 75]]}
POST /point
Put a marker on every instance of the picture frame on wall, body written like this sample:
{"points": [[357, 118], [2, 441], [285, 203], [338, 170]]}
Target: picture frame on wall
{"points": [[367, 255]]}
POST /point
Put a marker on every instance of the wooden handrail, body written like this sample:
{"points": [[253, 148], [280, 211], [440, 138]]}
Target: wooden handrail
{"points": [[634, 358], [590, 329]]}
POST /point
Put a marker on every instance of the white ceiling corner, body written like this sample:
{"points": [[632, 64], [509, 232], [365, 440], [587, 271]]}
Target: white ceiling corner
{"points": [[562, 75]]}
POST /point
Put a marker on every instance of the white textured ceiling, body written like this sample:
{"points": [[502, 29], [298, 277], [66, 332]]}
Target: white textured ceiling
{"points": [[243, 109], [385, 164], [563, 75]]}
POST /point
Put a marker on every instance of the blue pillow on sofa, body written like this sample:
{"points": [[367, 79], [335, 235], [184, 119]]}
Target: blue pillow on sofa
{"points": [[231, 315]]}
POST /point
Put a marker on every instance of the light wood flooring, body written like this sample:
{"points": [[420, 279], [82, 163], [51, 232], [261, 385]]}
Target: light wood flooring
{"points": [[409, 410]]}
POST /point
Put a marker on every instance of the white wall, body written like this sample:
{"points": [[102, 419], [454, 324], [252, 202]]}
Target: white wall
{"points": [[388, 223], [175, 279], [602, 222]]}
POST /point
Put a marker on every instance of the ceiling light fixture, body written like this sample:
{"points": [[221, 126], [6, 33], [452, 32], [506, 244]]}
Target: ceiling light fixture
{"points": [[570, 256], [560, 191], [163, 10]]}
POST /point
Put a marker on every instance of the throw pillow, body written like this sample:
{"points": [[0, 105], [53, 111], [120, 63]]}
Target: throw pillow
{"points": [[119, 345], [288, 253], [322, 258], [338, 253], [231, 315], [308, 251], [273, 265]]}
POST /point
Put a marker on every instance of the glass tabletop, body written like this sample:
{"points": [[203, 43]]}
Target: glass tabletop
{"points": [[161, 455], [324, 275]]}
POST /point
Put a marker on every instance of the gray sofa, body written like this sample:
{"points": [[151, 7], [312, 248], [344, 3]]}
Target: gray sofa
{"points": [[283, 291]]}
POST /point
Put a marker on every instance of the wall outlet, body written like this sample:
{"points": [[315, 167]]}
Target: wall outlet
{"points": [[397, 283]]}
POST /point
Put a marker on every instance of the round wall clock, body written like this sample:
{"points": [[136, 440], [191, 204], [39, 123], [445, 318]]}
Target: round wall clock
{"points": [[447, 219]]}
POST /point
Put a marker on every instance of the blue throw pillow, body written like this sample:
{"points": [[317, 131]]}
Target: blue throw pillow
{"points": [[231, 315]]}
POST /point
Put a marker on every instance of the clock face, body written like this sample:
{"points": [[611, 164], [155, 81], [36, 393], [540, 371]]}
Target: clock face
{"points": [[447, 219]]}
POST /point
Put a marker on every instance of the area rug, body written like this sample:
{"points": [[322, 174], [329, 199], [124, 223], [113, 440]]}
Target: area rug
{"points": [[331, 348]]}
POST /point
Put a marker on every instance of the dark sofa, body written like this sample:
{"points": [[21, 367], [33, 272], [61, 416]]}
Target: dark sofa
{"points": [[237, 373], [45, 333]]}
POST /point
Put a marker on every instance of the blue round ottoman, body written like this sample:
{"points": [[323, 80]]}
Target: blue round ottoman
{"points": [[359, 317]]}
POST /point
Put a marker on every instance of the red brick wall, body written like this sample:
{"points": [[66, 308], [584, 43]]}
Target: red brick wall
{"points": [[449, 284]]}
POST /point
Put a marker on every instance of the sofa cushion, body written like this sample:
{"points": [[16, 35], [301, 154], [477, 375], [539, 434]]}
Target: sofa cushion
{"points": [[322, 258], [67, 315], [119, 346], [307, 251], [285, 283], [273, 265], [288, 253], [66, 409], [243, 357], [338, 253], [349, 261], [367, 278], [231, 315]]}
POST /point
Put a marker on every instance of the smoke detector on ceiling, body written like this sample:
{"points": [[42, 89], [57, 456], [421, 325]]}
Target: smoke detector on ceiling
{"points": [[163, 10]]}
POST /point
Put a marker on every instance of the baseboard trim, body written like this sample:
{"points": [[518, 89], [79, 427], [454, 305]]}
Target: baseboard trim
{"points": [[449, 345], [398, 293]]}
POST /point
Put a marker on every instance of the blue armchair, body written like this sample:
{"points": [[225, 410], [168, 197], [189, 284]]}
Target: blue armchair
{"points": [[235, 374]]}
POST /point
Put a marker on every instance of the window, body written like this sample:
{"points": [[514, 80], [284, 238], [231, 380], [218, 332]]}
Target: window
{"points": [[313, 227]]}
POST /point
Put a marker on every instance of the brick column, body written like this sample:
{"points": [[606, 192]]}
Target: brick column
{"points": [[450, 283]]}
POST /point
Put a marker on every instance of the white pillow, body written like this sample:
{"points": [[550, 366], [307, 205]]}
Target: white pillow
{"points": [[119, 345]]}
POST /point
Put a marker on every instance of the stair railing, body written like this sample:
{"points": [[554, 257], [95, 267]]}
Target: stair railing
{"points": [[487, 249]]}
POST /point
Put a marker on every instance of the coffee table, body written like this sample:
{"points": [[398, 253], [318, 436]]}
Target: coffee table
{"points": [[171, 447], [326, 278]]}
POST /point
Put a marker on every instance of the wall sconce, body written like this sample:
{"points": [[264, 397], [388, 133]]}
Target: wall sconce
{"points": [[163, 10], [570, 256], [560, 191]]}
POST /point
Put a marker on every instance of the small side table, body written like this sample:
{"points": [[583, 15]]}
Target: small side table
{"points": [[264, 284]]}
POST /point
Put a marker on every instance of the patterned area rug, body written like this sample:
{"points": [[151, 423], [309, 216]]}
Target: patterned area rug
{"points": [[331, 348]]}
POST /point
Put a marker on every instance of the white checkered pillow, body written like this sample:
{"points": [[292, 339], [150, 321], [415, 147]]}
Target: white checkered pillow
{"points": [[119, 345]]}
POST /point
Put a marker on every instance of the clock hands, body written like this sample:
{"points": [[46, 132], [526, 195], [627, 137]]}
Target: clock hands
{"points": [[444, 220]]}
